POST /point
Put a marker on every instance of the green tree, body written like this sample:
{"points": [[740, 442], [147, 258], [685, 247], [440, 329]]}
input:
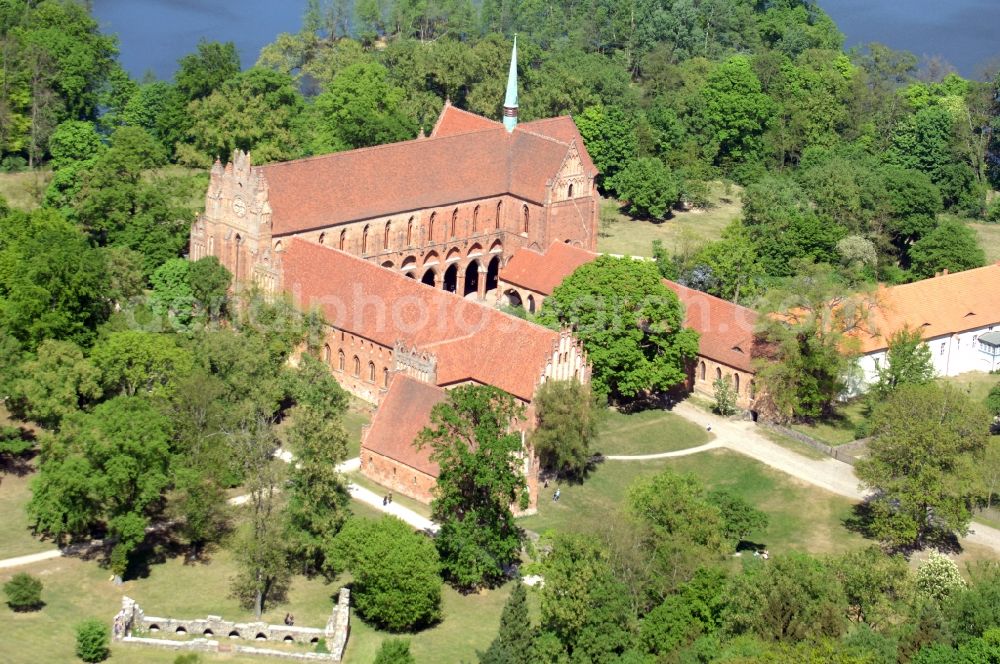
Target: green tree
{"points": [[908, 362], [736, 271], [317, 494], [807, 349], [173, 297], [209, 281], [739, 517], [40, 297], [789, 598], [92, 641], [360, 108], [629, 322], [110, 465], [567, 424], [394, 651], [24, 592], [974, 610], [125, 274], [134, 362], [255, 111], [951, 246], [922, 460], [679, 528], [396, 571], [472, 440], [54, 383], [609, 136], [73, 141], [648, 187], [735, 113], [263, 573], [514, 643], [583, 606], [201, 73], [877, 586]]}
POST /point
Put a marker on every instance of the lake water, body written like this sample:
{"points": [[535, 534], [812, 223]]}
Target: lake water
{"points": [[155, 33]]}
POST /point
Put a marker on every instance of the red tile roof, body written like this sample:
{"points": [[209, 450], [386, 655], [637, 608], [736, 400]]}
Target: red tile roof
{"points": [[946, 304], [402, 415], [472, 342], [456, 121], [541, 273], [464, 160], [563, 129], [725, 329]]}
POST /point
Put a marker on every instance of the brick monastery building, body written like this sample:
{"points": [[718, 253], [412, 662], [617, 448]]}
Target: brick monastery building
{"points": [[401, 247]]}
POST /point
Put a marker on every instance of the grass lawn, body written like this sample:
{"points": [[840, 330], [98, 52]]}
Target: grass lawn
{"points": [[358, 415], [989, 239], [683, 232], [977, 384], [803, 518], [647, 432], [838, 429], [15, 537], [24, 190]]}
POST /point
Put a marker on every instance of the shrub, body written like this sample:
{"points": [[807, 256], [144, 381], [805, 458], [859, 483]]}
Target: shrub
{"points": [[725, 397], [993, 211], [938, 577], [24, 593], [394, 651], [92, 641]]}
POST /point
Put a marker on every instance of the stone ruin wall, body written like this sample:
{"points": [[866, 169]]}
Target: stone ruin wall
{"points": [[131, 620]]}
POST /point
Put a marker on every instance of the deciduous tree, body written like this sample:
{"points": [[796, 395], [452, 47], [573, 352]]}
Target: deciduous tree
{"points": [[397, 581], [472, 440], [567, 423], [630, 323], [922, 461]]}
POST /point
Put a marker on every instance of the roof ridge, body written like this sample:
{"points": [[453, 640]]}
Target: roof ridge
{"points": [[535, 133], [375, 148], [402, 279]]}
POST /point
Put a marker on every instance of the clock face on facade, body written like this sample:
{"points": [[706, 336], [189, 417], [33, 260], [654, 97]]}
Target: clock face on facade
{"points": [[239, 206]]}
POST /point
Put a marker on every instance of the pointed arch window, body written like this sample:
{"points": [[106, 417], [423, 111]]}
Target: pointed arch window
{"points": [[569, 191], [524, 211], [326, 353], [499, 212], [371, 372], [736, 383], [475, 220], [409, 232], [357, 366], [385, 377], [343, 240], [385, 238], [322, 238], [340, 360], [364, 241], [454, 222], [430, 227]]}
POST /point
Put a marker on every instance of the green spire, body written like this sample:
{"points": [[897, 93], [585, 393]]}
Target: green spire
{"points": [[510, 100]]}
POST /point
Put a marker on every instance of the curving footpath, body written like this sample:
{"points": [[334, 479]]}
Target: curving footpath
{"points": [[835, 476]]}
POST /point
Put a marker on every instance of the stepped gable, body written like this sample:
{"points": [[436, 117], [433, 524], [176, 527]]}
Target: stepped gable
{"points": [[726, 330], [454, 120], [472, 342], [941, 305], [541, 273], [563, 129], [403, 414]]}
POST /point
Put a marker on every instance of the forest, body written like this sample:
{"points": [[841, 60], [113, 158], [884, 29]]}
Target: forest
{"points": [[154, 396]]}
